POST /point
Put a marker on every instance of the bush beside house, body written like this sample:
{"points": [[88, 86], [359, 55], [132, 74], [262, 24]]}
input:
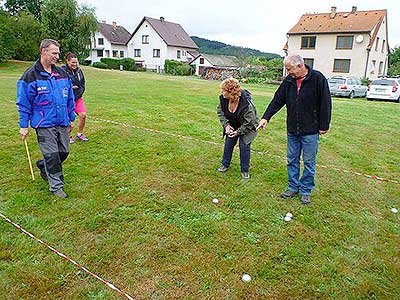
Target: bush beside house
{"points": [[174, 67]]}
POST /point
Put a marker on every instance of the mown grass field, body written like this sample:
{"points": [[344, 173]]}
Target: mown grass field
{"points": [[140, 213]]}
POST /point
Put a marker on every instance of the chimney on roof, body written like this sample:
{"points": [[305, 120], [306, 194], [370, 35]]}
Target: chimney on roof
{"points": [[162, 19], [114, 24], [353, 9], [104, 22], [333, 12]]}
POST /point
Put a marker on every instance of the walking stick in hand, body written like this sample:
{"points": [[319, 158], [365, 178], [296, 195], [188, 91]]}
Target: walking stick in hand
{"points": [[29, 159]]}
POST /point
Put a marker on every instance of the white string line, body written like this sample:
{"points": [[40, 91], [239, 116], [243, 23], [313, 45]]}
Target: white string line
{"points": [[105, 282], [255, 151]]}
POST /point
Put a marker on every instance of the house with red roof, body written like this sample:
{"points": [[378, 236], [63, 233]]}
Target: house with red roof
{"points": [[342, 43]]}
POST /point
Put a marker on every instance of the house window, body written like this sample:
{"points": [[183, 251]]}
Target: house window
{"points": [[100, 41], [383, 46], [115, 53], [156, 52], [178, 54], [121, 53], [145, 39], [136, 53], [309, 62], [308, 42], [344, 42], [376, 45], [373, 67], [341, 65], [202, 61], [99, 53], [380, 68]]}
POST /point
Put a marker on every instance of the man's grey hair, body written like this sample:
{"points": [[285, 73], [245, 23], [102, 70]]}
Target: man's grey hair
{"points": [[48, 42], [294, 60]]}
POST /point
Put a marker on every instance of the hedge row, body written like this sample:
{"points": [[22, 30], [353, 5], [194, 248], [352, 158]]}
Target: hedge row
{"points": [[174, 67], [128, 64]]}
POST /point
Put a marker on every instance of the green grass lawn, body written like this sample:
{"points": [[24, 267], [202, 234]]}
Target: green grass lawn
{"points": [[140, 213]]}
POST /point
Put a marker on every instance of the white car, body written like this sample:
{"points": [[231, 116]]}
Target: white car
{"points": [[346, 86], [384, 89]]}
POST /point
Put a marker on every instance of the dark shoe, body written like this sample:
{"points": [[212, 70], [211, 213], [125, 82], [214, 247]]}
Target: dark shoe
{"points": [[222, 169], [60, 193], [40, 165], [288, 194], [305, 199], [245, 175]]}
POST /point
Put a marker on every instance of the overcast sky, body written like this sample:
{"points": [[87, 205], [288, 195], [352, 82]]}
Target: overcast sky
{"points": [[255, 24]]}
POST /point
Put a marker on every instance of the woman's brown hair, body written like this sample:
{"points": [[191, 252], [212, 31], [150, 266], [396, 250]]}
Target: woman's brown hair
{"points": [[231, 87], [70, 55]]}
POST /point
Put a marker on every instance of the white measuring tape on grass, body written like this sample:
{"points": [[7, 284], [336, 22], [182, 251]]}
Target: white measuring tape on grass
{"points": [[255, 151], [105, 282]]}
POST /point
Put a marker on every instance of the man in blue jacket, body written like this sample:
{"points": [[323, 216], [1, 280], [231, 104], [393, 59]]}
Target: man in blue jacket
{"points": [[305, 93], [45, 101]]}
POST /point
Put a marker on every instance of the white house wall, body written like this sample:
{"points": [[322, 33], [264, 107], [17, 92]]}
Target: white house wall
{"points": [[197, 64], [172, 52], [107, 48], [325, 52], [155, 42], [377, 55]]}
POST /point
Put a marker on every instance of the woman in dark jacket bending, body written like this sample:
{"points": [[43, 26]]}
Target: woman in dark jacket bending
{"points": [[238, 117]]}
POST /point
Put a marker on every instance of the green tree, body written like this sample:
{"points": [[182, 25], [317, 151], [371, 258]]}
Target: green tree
{"points": [[27, 31], [72, 26], [7, 39], [16, 6], [394, 62]]}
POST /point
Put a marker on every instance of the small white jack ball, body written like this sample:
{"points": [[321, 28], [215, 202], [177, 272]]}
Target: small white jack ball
{"points": [[287, 218], [215, 201], [289, 215], [394, 210], [246, 278]]}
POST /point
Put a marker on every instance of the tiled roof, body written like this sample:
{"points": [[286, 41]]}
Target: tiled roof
{"points": [[114, 34], [193, 53], [172, 33], [221, 60], [342, 22]]}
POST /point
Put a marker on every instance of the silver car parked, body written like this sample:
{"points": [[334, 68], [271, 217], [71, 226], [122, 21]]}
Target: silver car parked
{"points": [[347, 86]]}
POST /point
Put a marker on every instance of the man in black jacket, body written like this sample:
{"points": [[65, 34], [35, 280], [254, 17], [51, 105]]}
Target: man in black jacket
{"points": [[305, 93]]}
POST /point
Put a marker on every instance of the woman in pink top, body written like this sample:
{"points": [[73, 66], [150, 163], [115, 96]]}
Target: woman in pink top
{"points": [[78, 84]]}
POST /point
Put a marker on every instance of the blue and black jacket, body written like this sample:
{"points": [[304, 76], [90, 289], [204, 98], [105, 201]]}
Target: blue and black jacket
{"points": [[43, 99]]}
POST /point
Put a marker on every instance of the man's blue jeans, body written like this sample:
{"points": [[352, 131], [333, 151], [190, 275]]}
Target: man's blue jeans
{"points": [[244, 153], [307, 145]]}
